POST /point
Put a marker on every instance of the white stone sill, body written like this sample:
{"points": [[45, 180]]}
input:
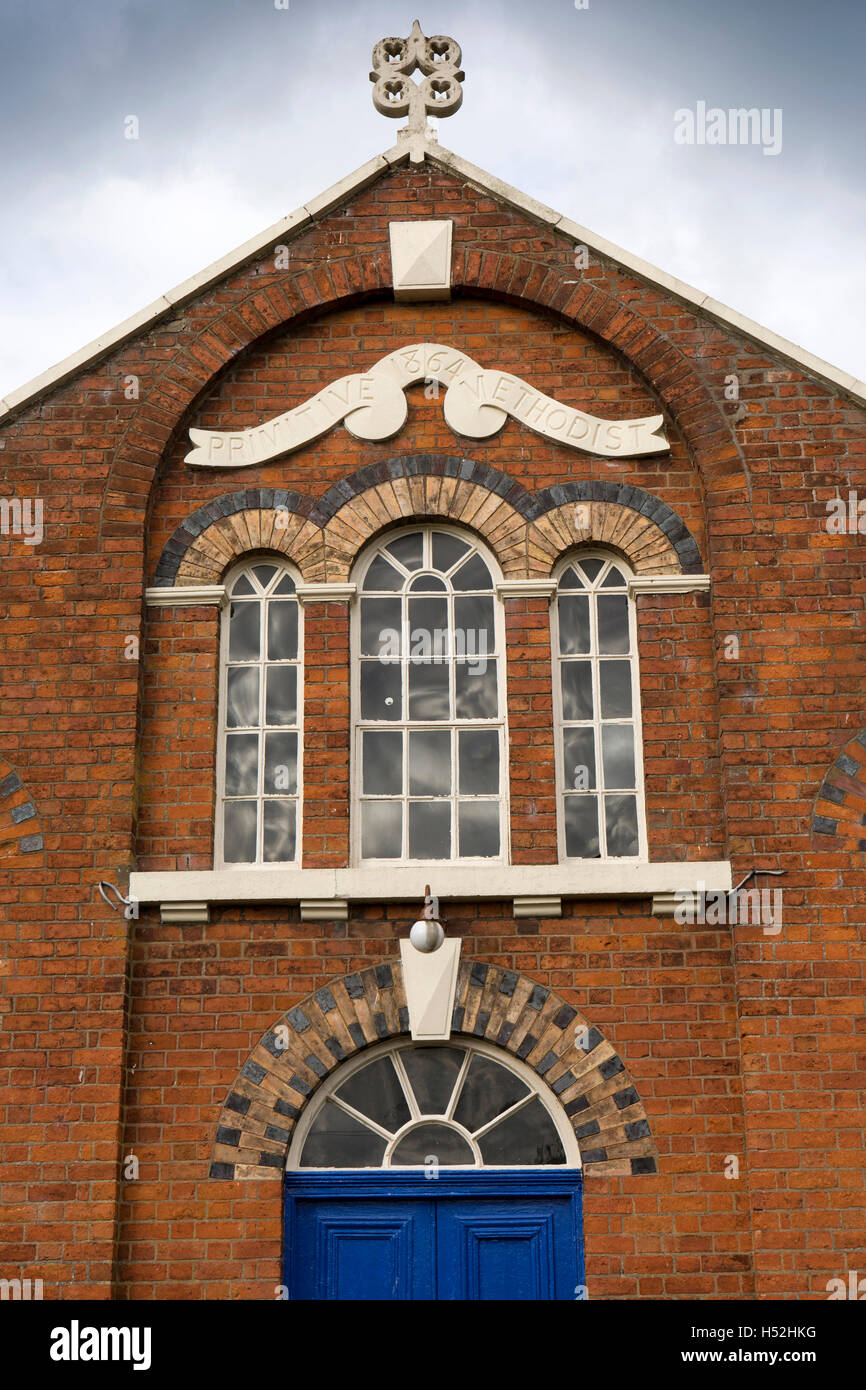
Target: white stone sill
{"points": [[617, 878]]}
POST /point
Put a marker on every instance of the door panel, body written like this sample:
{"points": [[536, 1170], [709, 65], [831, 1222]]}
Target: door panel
{"points": [[512, 1235], [516, 1250], [363, 1250]]}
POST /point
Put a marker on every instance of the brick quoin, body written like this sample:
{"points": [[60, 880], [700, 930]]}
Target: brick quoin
{"points": [[126, 1037]]}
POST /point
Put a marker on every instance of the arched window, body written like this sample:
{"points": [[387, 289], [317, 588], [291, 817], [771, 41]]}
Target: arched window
{"points": [[462, 1104], [429, 703], [596, 704], [258, 767]]}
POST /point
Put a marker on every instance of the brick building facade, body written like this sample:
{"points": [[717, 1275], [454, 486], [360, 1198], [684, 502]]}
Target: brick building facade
{"points": [[153, 1039]]}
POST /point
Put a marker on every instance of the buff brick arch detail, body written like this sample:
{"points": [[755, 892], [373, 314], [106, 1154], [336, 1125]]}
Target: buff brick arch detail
{"points": [[526, 531], [21, 841], [219, 342], [505, 1008], [839, 820]]}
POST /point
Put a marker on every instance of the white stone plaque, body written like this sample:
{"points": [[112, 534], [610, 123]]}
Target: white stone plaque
{"points": [[476, 405]]}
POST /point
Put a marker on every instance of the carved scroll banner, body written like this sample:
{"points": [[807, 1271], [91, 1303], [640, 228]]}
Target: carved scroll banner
{"points": [[476, 404]]}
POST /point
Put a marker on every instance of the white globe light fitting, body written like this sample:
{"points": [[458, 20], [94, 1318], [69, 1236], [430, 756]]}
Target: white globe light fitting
{"points": [[426, 936]]}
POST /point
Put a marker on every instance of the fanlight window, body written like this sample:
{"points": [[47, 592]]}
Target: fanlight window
{"points": [[451, 1105], [257, 821], [429, 740], [601, 778]]}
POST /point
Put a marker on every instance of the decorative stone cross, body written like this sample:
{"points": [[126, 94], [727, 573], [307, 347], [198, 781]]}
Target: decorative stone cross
{"points": [[395, 94]]}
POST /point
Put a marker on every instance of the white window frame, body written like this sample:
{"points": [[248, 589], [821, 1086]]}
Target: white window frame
{"points": [[537, 1088], [359, 726], [284, 567], [642, 855]]}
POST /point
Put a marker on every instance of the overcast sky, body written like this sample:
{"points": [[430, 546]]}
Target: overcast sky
{"points": [[246, 110]]}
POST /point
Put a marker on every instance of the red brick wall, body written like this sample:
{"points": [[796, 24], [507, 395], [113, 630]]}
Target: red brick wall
{"points": [[740, 1043]]}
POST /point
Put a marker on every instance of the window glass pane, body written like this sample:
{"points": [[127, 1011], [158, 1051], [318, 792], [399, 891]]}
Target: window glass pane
{"points": [[617, 755], [381, 626], [281, 700], [381, 829], [432, 1072], [242, 697], [473, 622], [383, 763], [576, 679], [621, 824], [242, 764], [581, 827], [592, 568], [286, 585], [264, 574], [427, 618], [474, 574], [447, 550], [478, 761], [383, 576], [612, 623], [244, 632], [573, 624], [428, 690], [239, 832], [527, 1137], [281, 764], [381, 684], [614, 579], [571, 580], [579, 759], [478, 825], [429, 584], [429, 830], [242, 585], [615, 689], [429, 763], [338, 1140], [432, 1141], [279, 831], [282, 629], [377, 1093], [476, 696], [487, 1091], [408, 550]]}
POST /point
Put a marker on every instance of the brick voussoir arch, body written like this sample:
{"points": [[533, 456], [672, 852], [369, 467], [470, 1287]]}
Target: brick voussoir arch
{"points": [[21, 841], [839, 819], [527, 531], [505, 1008], [277, 301]]}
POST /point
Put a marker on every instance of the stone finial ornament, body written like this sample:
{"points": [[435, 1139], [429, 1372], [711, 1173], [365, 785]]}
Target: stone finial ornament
{"points": [[396, 95]]}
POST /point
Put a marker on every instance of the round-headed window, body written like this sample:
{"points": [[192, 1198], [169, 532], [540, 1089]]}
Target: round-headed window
{"points": [[430, 709], [459, 1105]]}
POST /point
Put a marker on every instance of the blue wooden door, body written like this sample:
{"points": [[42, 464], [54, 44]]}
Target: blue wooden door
{"points": [[362, 1249], [513, 1235]]}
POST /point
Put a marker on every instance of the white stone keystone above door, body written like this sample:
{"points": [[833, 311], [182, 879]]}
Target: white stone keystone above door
{"points": [[430, 982], [421, 260]]}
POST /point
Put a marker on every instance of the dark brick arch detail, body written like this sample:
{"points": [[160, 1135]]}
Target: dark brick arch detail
{"points": [[530, 505], [21, 841], [508, 1009], [839, 819], [221, 331], [250, 499]]}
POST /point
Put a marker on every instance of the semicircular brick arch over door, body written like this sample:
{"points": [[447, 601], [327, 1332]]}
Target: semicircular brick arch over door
{"points": [[507, 1009]]}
